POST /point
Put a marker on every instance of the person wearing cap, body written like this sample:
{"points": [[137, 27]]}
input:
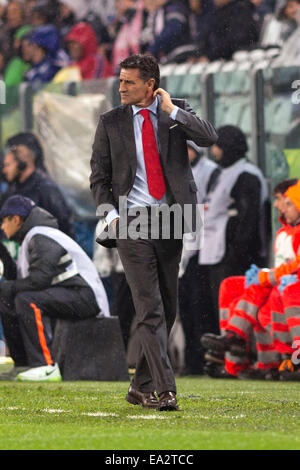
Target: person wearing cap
{"points": [[24, 178], [55, 279], [195, 322]]}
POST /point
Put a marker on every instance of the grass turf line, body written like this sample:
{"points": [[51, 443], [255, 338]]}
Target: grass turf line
{"points": [[215, 414]]}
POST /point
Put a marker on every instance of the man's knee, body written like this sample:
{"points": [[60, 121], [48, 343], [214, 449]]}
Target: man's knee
{"points": [[23, 300]]}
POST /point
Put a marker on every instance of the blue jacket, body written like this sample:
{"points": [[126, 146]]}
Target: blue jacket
{"points": [[175, 31]]}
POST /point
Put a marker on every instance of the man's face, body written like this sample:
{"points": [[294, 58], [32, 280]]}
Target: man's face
{"points": [[279, 203], [133, 90], [291, 10], [217, 152], [11, 224], [75, 50], [10, 167], [291, 213], [192, 154], [14, 15], [27, 51]]}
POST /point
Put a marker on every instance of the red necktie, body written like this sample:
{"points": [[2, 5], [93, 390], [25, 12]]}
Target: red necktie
{"points": [[155, 177]]}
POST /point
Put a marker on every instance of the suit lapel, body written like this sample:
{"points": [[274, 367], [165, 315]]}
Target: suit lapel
{"points": [[126, 130]]}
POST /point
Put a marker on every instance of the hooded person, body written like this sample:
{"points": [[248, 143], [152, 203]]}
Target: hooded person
{"points": [[235, 207], [82, 45], [45, 44], [55, 279]]}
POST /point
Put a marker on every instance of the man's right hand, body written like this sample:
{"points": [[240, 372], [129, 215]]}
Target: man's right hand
{"points": [[114, 224]]}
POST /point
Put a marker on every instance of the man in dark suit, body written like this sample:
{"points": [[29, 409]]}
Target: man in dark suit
{"points": [[140, 152]]}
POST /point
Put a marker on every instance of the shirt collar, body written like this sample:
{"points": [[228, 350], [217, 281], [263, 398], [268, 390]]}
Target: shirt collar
{"points": [[152, 108]]}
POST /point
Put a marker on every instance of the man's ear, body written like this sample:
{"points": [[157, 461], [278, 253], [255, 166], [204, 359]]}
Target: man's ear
{"points": [[151, 83], [19, 220]]}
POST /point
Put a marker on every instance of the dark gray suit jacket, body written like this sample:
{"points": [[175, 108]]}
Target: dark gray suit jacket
{"points": [[114, 159]]}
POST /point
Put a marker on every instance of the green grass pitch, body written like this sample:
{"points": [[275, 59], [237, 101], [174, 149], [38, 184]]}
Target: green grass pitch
{"points": [[215, 414]]}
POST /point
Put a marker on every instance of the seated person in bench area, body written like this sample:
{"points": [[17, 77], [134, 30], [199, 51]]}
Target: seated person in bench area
{"points": [[54, 278]]}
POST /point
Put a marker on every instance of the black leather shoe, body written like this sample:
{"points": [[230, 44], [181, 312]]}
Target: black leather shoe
{"points": [[145, 399], [230, 342], [167, 402]]}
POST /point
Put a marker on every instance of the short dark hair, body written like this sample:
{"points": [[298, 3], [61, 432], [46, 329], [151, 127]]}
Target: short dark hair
{"points": [[146, 64], [284, 185]]}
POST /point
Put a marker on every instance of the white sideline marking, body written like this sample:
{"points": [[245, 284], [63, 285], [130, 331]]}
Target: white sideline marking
{"points": [[51, 411], [100, 414], [145, 417]]}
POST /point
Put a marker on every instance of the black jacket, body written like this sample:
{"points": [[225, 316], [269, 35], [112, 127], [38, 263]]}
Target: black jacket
{"points": [[243, 241], [44, 257], [235, 27], [46, 194]]}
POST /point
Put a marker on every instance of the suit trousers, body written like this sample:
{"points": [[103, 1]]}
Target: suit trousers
{"points": [[151, 267]]}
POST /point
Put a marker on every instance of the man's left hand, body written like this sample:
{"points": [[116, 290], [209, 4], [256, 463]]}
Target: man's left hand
{"points": [[166, 103]]}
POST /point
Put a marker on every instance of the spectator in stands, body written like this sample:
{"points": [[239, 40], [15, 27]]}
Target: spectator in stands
{"points": [[3, 5], [18, 65], [105, 9], [226, 35], [200, 21], [83, 48], [44, 48], [234, 216], [166, 34], [264, 7], [55, 279], [15, 17], [279, 27], [127, 30], [195, 322], [43, 12], [25, 179]]}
